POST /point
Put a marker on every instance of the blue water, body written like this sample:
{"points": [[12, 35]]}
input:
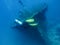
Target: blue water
{"points": [[9, 11]]}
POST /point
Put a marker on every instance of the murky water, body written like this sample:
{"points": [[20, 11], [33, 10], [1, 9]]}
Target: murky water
{"points": [[47, 33]]}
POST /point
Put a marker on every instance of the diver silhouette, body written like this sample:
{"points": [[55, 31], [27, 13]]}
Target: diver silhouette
{"points": [[38, 32]]}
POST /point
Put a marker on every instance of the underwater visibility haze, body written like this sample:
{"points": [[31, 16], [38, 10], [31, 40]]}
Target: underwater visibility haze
{"points": [[29, 22]]}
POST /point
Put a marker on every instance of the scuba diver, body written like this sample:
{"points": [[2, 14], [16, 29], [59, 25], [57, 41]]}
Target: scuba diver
{"points": [[32, 19]]}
